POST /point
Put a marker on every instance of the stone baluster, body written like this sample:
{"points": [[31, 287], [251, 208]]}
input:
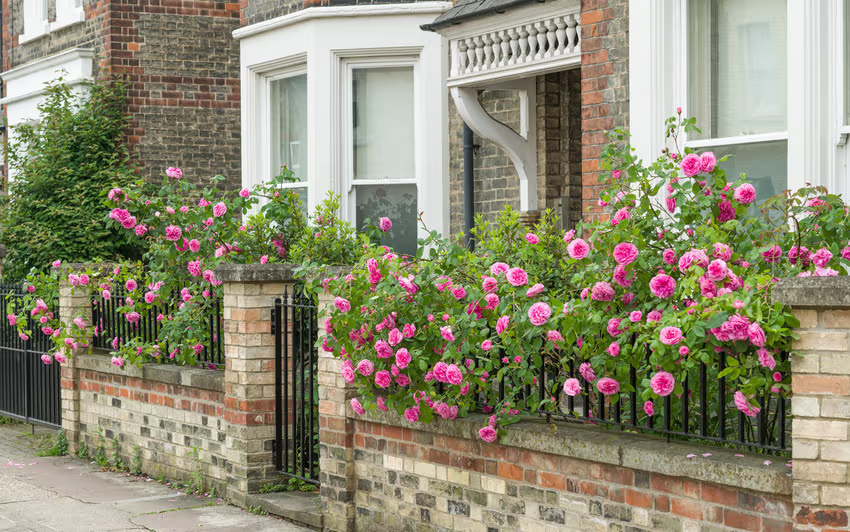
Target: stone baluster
{"points": [[532, 42], [572, 32], [541, 40], [523, 44], [506, 47], [561, 34], [461, 61], [488, 52], [470, 54], [497, 49], [550, 37], [479, 54]]}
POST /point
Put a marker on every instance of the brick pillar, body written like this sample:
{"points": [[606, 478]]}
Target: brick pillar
{"points": [[250, 291], [821, 400], [336, 436], [73, 303]]}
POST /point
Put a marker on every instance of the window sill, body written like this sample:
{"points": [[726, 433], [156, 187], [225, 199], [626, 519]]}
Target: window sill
{"points": [[68, 22]]}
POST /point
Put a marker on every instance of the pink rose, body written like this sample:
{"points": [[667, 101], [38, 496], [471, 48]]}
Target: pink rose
{"points": [[385, 224], [492, 301], [499, 268], [614, 349], [684, 350], [502, 324], [220, 209], [535, 290], [459, 292], [409, 330], [616, 174], [766, 359], [620, 215], [777, 377], [447, 333], [717, 270], [383, 379], [756, 335], [454, 375], [821, 257], [587, 372], [663, 383], [382, 403], [671, 335], [488, 434], [727, 211], [412, 414], [383, 348], [517, 277], [636, 316], [395, 337], [625, 253], [572, 387], [539, 313], [772, 254], [614, 326], [348, 374], [669, 256], [707, 162], [569, 235], [694, 257], [722, 251], [745, 194], [649, 408], [532, 238], [357, 407], [554, 336], [602, 291], [578, 249], [403, 358], [608, 386], [173, 233], [742, 402], [662, 286], [671, 204], [691, 165], [487, 345], [365, 367], [341, 304], [176, 173], [489, 284]]}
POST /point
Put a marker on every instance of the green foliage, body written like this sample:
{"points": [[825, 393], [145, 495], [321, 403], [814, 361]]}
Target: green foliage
{"points": [[292, 484], [100, 456], [59, 447], [198, 482], [136, 467], [60, 167], [83, 451], [116, 462], [328, 240]]}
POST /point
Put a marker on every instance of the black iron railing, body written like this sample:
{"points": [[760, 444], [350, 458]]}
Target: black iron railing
{"points": [[295, 326], [29, 388], [114, 330], [705, 411]]}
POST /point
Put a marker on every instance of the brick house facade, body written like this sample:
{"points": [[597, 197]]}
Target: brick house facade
{"points": [[178, 57]]}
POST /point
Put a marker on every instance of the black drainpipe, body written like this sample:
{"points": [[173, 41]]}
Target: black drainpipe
{"points": [[468, 185]]}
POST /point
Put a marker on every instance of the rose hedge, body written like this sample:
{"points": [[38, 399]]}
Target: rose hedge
{"points": [[682, 271]]}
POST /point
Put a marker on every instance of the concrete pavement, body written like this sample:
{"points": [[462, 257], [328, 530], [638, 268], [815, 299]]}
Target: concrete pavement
{"points": [[69, 495]]}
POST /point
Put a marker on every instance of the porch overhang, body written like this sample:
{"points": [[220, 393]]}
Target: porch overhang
{"points": [[494, 51]]}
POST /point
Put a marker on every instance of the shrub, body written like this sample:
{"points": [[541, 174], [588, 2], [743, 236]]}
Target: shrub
{"points": [[60, 166], [683, 270]]}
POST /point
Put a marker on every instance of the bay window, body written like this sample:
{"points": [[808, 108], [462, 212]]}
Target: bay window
{"points": [[383, 151], [846, 86], [737, 86]]}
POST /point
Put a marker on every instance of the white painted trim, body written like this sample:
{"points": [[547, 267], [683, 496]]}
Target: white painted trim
{"points": [[42, 64], [516, 17], [25, 96], [521, 151], [742, 139], [538, 68], [416, 8]]}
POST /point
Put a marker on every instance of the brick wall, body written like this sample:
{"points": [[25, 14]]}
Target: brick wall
{"points": [[821, 403], [604, 87], [166, 410], [182, 66]]}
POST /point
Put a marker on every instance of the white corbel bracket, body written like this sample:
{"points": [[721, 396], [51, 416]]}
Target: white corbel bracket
{"points": [[521, 147]]}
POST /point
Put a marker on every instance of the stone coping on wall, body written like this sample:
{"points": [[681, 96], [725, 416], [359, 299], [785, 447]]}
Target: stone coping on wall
{"points": [[256, 273], [204, 379], [811, 292], [635, 451]]}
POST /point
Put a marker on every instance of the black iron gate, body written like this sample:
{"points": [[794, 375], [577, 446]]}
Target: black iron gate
{"points": [[29, 388], [296, 446]]}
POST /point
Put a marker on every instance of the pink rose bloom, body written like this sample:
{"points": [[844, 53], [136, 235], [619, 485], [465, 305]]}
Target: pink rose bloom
{"points": [[150, 297], [402, 380], [532, 238], [663, 286], [492, 301], [459, 292], [707, 162], [535, 290], [195, 268], [663, 383], [357, 407], [57, 263], [454, 375], [245, 193], [194, 245], [487, 345], [684, 350], [821, 257], [625, 253], [743, 404], [727, 211], [717, 270], [722, 251], [636, 316], [348, 374], [578, 249], [499, 268], [220, 209], [539, 313], [62, 359], [395, 337], [602, 291], [488, 434], [517, 277], [341, 304], [403, 358], [669, 256], [382, 403], [13, 319], [118, 361], [799, 253], [502, 324], [614, 349], [620, 215], [365, 367], [587, 372], [173, 233], [608, 386], [766, 359], [409, 330], [447, 333], [489, 284], [554, 336], [412, 414], [777, 377], [383, 348], [691, 165], [745, 194], [614, 326], [385, 224], [569, 235], [383, 379], [649, 408], [176, 173], [694, 257], [131, 285], [572, 387], [772, 254], [671, 335], [585, 293], [440, 369], [671, 204], [756, 335]]}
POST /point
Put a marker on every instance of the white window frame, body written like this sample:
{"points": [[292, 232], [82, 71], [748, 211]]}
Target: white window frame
{"points": [[401, 58], [817, 138], [37, 24], [290, 72]]}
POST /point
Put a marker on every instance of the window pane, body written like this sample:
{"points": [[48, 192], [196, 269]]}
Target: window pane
{"points": [[847, 62], [289, 125], [765, 163], [396, 202], [383, 123], [737, 64]]}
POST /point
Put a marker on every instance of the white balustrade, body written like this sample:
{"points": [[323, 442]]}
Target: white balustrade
{"points": [[542, 40]]}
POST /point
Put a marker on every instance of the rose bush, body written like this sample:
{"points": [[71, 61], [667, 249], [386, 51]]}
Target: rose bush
{"points": [[679, 276]]}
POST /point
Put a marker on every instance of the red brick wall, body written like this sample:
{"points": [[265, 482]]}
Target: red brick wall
{"points": [[415, 477], [604, 89]]}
